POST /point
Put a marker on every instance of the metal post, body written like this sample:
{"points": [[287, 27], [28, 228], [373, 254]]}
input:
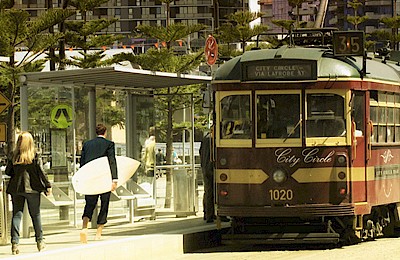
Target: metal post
{"points": [[92, 134], [74, 148], [26, 221], [195, 200], [92, 113], [129, 121], [24, 106]]}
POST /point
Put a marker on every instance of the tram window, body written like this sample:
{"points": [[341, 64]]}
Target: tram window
{"points": [[278, 116], [390, 134], [390, 115], [358, 113], [374, 135], [235, 117], [397, 118], [382, 134], [374, 114], [382, 97], [325, 115], [382, 115]]}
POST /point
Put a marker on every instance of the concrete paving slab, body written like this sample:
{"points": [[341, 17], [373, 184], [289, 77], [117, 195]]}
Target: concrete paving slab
{"points": [[163, 238]]}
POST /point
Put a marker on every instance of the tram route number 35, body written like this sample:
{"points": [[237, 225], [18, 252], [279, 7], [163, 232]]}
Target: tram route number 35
{"points": [[348, 43], [281, 194]]}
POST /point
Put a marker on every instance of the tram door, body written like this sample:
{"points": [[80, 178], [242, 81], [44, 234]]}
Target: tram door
{"points": [[359, 169]]}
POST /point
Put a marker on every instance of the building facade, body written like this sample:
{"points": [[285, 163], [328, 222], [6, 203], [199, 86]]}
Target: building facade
{"points": [[281, 10], [132, 13], [335, 16]]}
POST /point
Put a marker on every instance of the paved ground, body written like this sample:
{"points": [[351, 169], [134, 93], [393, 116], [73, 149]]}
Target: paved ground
{"points": [[162, 238]]}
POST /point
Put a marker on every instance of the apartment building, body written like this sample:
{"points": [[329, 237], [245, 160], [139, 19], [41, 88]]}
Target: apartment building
{"points": [[152, 12], [335, 16], [281, 10]]}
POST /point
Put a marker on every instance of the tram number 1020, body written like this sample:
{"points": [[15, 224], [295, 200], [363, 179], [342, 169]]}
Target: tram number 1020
{"points": [[281, 194]]}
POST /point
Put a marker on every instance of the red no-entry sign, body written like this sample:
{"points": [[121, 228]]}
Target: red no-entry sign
{"points": [[211, 50]]}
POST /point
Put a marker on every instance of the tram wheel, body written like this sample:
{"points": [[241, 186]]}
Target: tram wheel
{"points": [[389, 229], [343, 226]]}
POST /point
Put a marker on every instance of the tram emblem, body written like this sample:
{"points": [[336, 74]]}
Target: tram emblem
{"points": [[387, 156]]}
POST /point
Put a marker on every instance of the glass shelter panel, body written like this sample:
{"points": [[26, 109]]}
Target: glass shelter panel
{"points": [[58, 118]]}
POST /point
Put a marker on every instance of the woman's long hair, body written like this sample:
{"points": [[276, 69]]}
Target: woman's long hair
{"points": [[24, 152]]}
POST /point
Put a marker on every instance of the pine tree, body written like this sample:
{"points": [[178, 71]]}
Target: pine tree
{"points": [[238, 28], [18, 30], [164, 59]]}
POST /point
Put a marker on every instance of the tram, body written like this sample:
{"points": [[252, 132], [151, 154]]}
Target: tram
{"points": [[307, 143]]}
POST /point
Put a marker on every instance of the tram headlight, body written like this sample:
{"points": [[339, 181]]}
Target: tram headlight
{"points": [[279, 176], [223, 177], [342, 175]]}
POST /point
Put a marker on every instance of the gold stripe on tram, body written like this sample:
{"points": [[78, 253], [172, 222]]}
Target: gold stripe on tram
{"points": [[241, 176]]}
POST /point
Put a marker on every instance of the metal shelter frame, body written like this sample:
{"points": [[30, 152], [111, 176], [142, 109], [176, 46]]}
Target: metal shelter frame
{"points": [[133, 81]]}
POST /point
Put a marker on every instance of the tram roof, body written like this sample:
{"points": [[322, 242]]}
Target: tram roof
{"points": [[117, 77], [328, 66]]}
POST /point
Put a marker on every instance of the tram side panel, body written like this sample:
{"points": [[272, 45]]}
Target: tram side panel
{"points": [[383, 176], [263, 178]]}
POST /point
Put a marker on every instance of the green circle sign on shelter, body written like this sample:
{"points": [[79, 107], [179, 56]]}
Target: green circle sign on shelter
{"points": [[61, 116]]}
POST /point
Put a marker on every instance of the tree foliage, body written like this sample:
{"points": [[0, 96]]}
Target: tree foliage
{"points": [[394, 24], [18, 30], [170, 99], [356, 19], [238, 28], [88, 37], [170, 34]]}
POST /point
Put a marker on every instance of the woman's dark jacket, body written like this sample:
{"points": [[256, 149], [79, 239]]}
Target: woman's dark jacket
{"points": [[38, 179]]}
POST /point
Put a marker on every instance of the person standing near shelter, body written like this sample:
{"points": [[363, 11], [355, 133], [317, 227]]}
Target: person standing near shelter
{"points": [[160, 160], [207, 166], [93, 149], [149, 156], [27, 182]]}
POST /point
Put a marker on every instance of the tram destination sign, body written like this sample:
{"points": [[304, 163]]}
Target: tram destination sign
{"points": [[280, 70]]}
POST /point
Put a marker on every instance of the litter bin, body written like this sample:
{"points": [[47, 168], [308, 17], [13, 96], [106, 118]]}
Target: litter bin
{"points": [[183, 193]]}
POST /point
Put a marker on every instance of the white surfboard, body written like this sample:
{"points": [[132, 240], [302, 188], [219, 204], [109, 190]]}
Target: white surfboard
{"points": [[95, 176]]}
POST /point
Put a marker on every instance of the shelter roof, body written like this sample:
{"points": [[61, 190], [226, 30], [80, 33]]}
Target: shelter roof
{"points": [[117, 77]]}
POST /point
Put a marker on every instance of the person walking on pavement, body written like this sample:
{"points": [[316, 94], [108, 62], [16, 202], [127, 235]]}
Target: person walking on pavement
{"points": [[26, 183], [93, 149], [207, 166]]}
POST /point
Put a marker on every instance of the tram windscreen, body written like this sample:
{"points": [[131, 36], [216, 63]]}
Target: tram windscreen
{"points": [[235, 117], [325, 115], [278, 116]]}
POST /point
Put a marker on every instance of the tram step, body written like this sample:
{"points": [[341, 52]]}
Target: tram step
{"points": [[281, 238]]}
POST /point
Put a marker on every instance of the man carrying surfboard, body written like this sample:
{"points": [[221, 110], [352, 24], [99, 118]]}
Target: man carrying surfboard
{"points": [[93, 149]]}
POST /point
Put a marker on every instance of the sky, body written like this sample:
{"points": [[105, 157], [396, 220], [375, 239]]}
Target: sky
{"points": [[253, 5]]}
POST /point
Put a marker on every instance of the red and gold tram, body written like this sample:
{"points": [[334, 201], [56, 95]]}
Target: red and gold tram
{"points": [[307, 145]]}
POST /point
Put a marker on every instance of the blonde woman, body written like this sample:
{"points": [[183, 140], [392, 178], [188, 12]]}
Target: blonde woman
{"points": [[26, 183]]}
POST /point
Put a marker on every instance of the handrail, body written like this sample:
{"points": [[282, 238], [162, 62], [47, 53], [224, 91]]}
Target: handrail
{"points": [[173, 166]]}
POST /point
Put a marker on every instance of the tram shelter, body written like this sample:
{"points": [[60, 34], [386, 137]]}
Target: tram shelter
{"points": [[79, 89]]}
